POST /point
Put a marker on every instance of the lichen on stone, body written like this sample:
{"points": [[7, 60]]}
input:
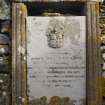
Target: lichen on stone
{"points": [[4, 9]]}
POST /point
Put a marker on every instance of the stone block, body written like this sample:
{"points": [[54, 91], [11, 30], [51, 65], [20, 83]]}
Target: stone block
{"points": [[4, 9]]}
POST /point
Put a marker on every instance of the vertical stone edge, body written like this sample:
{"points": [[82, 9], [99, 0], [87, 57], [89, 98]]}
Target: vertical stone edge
{"points": [[19, 65], [94, 96]]}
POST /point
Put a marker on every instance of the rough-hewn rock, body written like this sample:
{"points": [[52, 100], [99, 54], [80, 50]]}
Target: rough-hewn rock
{"points": [[4, 9], [4, 89], [4, 39], [5, 26]]}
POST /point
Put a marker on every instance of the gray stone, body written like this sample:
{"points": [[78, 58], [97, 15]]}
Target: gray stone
{"points": [[5, 26], [4, 9], [4, 82], [4, 39], [4, 89], [4, 64]]}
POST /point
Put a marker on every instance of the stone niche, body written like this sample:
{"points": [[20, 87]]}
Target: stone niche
{"points": [[56, 8], [25, 46]]}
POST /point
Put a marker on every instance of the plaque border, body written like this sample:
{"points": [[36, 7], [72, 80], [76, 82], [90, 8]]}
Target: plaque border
{"points": [[19, 55]]}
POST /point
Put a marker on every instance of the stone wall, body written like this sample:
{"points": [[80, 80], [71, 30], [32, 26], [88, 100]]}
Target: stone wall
{"points": [[5, 52]]}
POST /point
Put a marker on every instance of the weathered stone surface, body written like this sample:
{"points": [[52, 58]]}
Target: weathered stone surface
{"points": [[56, 39], [4, 64], [4, 53], [4, 89], [4, 39], [4, 9], [5, 26], [56, 0], [55, 34]]}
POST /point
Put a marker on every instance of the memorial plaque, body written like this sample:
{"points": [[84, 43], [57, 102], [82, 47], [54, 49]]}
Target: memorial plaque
{"points": [[56, 60]]}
